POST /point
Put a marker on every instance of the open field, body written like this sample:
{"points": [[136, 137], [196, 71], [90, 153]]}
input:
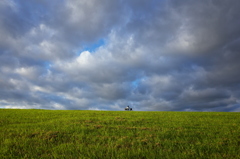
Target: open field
{"points": [[118, 134]]}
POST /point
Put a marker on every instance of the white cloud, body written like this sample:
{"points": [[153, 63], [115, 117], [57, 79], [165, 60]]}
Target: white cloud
{"points": [[28, 72], [158, 55]]}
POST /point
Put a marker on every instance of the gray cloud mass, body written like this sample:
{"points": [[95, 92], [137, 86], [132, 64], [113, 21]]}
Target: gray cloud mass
{"points": [[168, 55]]}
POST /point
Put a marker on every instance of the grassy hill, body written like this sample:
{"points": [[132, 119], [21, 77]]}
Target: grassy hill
{"points": [[118, 134]]}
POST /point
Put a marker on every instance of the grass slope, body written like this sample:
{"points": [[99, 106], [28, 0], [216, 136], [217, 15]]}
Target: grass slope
{"points": [[118, 134]]}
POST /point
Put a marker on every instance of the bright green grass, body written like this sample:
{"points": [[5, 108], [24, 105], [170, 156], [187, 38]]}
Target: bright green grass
{"points": [[118, 134]]}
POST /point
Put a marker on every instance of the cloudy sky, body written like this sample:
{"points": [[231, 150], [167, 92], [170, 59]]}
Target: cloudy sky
{"points": [[153, 55]]}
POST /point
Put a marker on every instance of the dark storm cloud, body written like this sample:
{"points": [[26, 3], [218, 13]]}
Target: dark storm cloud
{"points": [[168, 55]]}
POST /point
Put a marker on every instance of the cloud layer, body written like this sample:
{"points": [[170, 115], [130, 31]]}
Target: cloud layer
{"points": [[167, 55]]}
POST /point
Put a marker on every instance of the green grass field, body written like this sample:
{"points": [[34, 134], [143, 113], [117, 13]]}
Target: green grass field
{"points": [[118, 134]]}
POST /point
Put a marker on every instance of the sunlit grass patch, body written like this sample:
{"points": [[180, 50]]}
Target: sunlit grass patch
{"points": [[110, 134]]}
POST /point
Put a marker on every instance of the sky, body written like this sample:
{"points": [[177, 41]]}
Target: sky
{"points": [[153, 55]]}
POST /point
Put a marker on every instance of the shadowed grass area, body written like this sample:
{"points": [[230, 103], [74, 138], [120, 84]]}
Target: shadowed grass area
{"points": [[118, 134]]}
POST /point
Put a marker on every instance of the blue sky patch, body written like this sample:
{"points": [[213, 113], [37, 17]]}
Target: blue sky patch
{"points": [[93, 47]]}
